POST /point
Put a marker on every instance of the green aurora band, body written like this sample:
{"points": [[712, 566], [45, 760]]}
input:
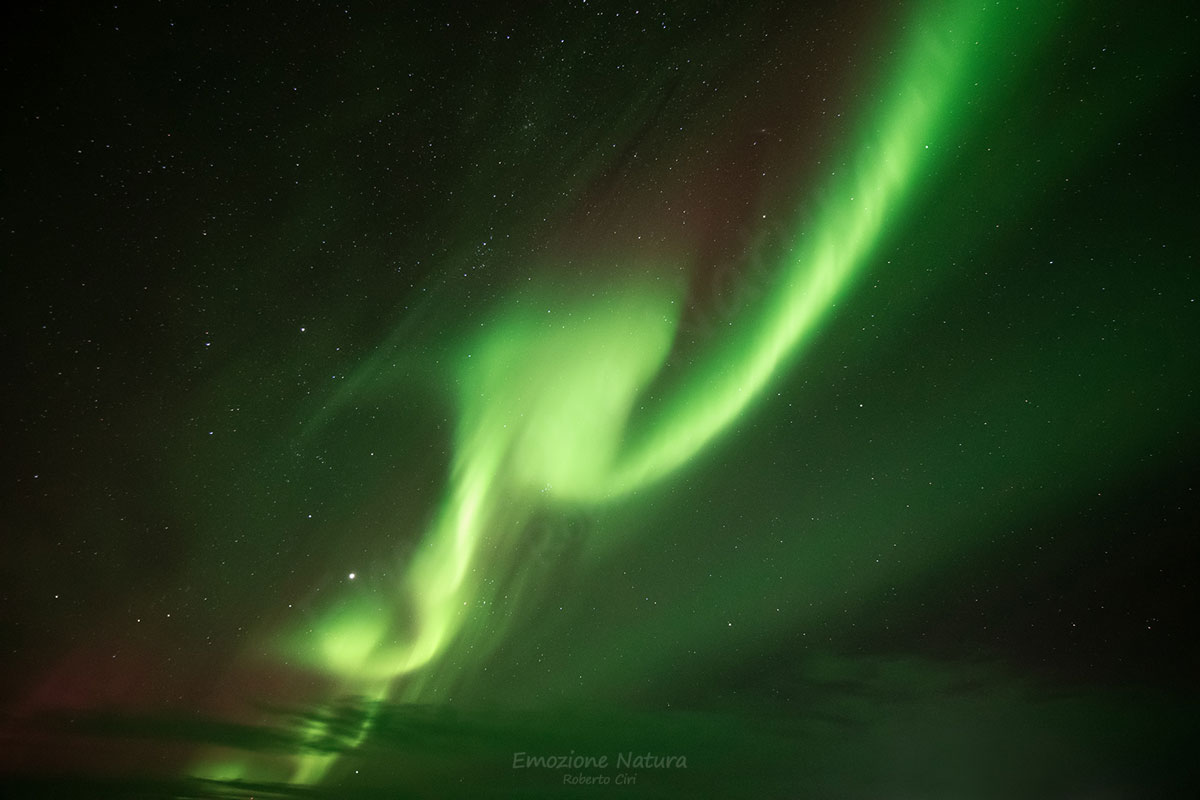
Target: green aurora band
{"points": [[546, 401]]}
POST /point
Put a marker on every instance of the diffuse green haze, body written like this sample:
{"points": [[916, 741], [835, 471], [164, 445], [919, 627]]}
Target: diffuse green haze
{"points": [[547, 390]]}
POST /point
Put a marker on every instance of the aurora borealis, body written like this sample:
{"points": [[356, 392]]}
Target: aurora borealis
{"points": [[789, 399]]}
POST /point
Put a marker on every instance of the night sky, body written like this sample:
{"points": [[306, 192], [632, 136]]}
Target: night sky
{"points": [[799, 398]]}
